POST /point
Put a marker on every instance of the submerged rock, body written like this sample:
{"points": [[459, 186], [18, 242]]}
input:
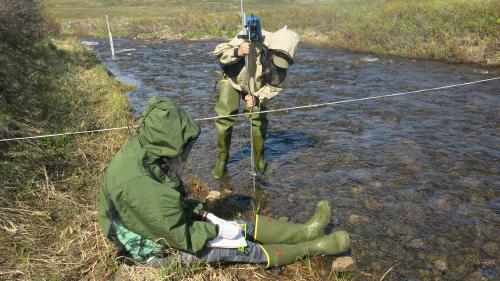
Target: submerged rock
{"points": [[416, 243], [424, 274], [372, 205], [490, 248], [355, 219], [376, 266], [344, 264], [357, 190], [440, 265], [476, 276]]}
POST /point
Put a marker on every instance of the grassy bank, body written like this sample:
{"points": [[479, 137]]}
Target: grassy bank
{"points": [[48, 227], [449, 30], [48, 208]]}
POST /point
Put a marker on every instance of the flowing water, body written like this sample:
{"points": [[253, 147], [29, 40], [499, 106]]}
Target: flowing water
{"points": [[414, 179]]}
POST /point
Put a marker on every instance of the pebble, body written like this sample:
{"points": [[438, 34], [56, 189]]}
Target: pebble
{"points": [[416, 243], [371, 205], [357, 190], [490, 248], [376, 184], [212, 196], [344, 264], [424, 274], [440, 265], [489, 263], [285, 219], [413, 168], [227, 192], [355, 219], [476, 276], [376, 266], [454, 174]]}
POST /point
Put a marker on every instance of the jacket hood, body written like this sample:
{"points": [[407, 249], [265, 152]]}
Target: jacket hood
{"points": [[166, 128], [285, 41]]}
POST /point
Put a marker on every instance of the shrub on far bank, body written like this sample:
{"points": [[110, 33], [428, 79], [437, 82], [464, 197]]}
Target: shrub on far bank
{"points": [[24, 22]]}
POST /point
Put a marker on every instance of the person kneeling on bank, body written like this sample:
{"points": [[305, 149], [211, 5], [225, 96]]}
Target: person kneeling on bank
{"points": [[144, 211]]}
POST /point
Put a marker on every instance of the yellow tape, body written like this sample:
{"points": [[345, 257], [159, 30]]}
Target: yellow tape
{"points": [[256, 227], [267, 256]]}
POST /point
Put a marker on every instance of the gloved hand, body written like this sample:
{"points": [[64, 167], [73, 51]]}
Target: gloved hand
{"points": [[213, 218], [228, 230]]}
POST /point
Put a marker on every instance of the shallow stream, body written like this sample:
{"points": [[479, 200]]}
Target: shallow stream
{"points": [[414, 179]]}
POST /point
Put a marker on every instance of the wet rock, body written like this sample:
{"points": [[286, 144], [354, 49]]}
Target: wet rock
{"points": [[440, 265], [372, 205], [424, 274], [344, 264], [358, 190], [355, 219], [489, 263], [476, 276], [490, 248], [454, 174], [477, 199], [416, 243], [212, 196], [376, 184], [355, 127], [413, 168], [226, 192], [376, 266], [285, 219], [445, 201]]}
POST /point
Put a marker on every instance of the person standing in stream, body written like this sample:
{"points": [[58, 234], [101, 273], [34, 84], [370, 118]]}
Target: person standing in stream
{"points": [[269, 58]]}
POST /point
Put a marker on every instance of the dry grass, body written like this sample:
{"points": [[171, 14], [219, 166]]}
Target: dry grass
{"points": [[48, 206]]}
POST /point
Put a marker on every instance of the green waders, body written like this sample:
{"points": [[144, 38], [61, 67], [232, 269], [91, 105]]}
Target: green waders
{"points": [[282, 254], [271, 231], [285, 243], [229, 103]]}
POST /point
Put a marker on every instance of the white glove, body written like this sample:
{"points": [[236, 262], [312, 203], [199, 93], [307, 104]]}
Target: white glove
{"points": [[214, 219], [228, 230]]}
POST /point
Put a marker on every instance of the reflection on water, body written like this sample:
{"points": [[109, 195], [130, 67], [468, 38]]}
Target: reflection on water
{"points": [[414, 179]]}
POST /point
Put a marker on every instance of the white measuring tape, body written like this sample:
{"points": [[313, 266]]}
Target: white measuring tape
{"points": [[265, 111]]}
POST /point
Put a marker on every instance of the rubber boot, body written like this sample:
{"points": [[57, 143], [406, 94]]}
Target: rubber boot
{"points": [[223, 144], [229, 103], [271, 231], [282, 254], [258, 150]]}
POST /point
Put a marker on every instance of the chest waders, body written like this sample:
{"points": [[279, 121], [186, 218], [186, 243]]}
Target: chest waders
{"points": [[228, 104]]}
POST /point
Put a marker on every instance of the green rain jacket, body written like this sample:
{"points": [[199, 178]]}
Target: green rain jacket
{"points": [[138, 196]]}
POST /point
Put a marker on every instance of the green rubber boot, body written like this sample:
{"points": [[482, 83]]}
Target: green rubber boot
{"points": [[282, 254], [229, 103], [223, 144], [258, 150], [271, 231]]}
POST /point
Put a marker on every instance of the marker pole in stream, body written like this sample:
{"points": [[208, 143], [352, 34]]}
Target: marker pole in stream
{"points": [[110, 39]]}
